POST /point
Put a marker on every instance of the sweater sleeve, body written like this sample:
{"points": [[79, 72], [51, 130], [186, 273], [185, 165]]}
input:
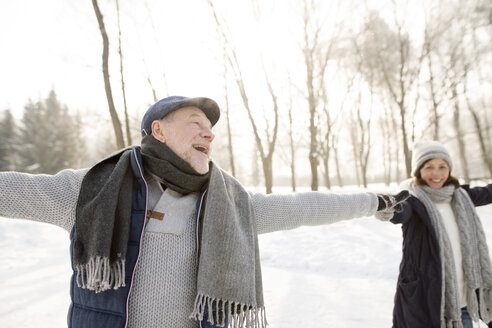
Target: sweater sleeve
{"points": [[289, 211], [41, 197], [479, 195]]}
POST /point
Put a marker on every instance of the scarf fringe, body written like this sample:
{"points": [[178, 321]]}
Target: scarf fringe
{"points": [[478, 300], [98, 274], [221, 311]]}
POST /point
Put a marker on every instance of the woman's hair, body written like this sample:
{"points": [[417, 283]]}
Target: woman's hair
{"points": [[417, 179]]}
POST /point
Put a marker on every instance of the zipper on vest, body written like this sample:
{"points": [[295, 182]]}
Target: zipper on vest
{"points": [[141, 235], [197, 226]]}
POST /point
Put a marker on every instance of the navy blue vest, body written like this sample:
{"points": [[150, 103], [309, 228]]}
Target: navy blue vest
{"points": [[109, 308]]}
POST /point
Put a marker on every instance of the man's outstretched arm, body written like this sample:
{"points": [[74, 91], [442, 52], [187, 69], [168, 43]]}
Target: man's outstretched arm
{"points": [[288, 211], [41, 197], [277, 212]]}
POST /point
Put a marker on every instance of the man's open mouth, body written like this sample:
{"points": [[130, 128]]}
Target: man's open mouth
{"points": [[202, 149]]}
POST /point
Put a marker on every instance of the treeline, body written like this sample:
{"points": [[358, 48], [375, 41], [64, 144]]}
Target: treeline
{"points": [[318, 93], [46, 139]]}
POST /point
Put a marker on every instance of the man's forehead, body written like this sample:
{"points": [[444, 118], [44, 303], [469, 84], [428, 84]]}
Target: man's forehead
{"points": [[193, 112]]}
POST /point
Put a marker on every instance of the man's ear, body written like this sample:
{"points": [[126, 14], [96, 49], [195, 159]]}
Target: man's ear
{"points": [[158, 131]]}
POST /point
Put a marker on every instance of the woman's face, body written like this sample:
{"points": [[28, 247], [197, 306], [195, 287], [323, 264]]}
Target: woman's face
{"points": [[435, 172]]}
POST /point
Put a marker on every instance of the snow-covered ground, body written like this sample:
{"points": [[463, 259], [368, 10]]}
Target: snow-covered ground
{"points": [[338, 276]]}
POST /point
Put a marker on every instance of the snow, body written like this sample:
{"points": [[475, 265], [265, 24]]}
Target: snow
{"points": [[341, 275]]}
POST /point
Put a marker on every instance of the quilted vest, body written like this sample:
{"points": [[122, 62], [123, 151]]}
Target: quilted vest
{"points": [[110, 308]]}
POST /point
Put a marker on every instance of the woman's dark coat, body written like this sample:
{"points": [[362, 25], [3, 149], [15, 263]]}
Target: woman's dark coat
{"points": [[418, 293]]}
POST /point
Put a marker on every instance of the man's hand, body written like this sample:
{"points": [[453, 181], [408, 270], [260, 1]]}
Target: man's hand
{"points": [[388, 204]]}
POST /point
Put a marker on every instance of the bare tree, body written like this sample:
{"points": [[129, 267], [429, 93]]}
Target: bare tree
{"points": [[159, 46], [291, 142], [480, 20], [361, 139], [123, 89], [228, 120], [386, 150], [317, 51], [334, 146], [478, 119], [120, 143], [309, 50], [327, 135], [458, 57], [459, 135], [482, 139], [266, 151], [392, 55], [434, 90]]}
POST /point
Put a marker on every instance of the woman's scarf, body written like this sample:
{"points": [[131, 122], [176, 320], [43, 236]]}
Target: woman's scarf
{"points": [[476, 261], [229, 282]]}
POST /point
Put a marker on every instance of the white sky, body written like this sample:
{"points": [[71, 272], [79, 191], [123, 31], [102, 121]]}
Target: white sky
{"points": [[56, 44]]}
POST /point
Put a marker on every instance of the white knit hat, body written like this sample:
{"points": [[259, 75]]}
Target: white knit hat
{"points": [[425, 150]]}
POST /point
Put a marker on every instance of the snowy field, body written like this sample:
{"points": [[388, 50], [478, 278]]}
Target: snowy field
{"points": [[338, 276]]}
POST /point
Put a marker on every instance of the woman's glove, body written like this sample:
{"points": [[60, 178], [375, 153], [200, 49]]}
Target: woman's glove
{"points": [[389, 204]]}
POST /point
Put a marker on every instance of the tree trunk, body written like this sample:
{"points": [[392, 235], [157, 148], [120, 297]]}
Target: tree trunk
{"points": [[477, 119], [229, 135], [432, 88], [386, 149], [486, 156], [334, 141], [266, 154], [268, 172], [123, 89], [326, 165], [459, 136], [313, 131], [292, 151], [355, 148], [120, 143]]}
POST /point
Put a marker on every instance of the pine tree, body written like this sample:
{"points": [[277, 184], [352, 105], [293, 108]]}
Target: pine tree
{"points": [[31, 137], [50, 137], [8, 142]]}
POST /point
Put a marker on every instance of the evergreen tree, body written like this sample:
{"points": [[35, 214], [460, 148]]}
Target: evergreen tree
{"points": [[8, 142], [30, 137], [50, 137]]}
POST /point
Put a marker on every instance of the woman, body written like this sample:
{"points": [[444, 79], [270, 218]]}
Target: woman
{"points": [[445, 274]]}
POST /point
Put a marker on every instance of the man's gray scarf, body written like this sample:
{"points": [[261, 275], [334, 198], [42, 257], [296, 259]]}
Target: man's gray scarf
{"points": [[229, 281], [229, 274], [476, 261]]}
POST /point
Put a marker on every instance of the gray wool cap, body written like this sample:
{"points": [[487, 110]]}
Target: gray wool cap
{"points": [[170, 104], [425, 150]]}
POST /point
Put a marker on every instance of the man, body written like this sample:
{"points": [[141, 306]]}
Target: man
{"points": [[161, 237]]}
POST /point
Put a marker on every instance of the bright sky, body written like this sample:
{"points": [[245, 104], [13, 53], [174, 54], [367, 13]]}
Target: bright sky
{"points": [[57, 44]]}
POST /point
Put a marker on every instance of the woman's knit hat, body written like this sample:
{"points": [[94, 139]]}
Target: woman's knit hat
{"points": [[425, 150]]}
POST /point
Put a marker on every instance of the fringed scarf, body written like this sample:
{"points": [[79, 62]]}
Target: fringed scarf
{"points": [[229, 285], [476, 260], [229, 274]]}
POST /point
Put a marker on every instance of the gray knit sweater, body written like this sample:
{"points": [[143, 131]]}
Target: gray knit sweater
{"points": [[165, 279]]}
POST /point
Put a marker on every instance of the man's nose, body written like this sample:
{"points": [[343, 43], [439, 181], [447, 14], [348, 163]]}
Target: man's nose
{"points": [[208, 134]]}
